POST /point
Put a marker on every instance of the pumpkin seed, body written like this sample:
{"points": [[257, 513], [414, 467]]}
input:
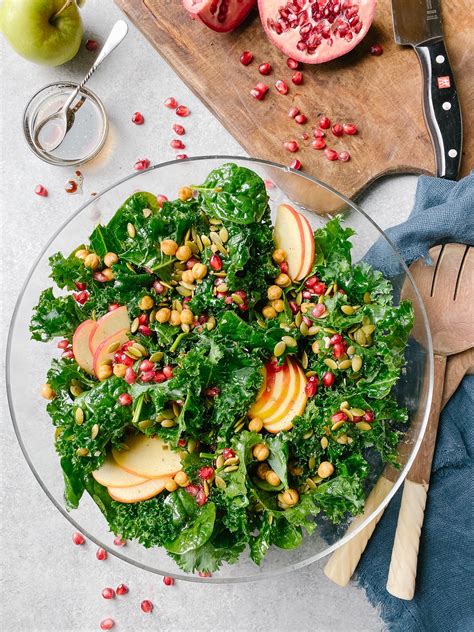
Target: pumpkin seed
{"points": [[231, 468], [224, 234], [220, 482], [165, 414], [324, 443], [357, 412], [75, 390], [95, 431], [330, 363], [312, 462], [145, 423], [310, 483], [176, 409], [238, 427], [205, 485], [222, 250], [176, 305], [298, 319], [215, 221], [131, 231], [356, 307], [157, 356], [192, 444], [368, 329], [342, 440], [304, 360], [310, 373], [345, 364], [134, 326], [308, 435], [82, 451], [198, 241], [316, 480], [315, 347], [130, 267], [168, 423], [238, 300], [211, 323], [349, 414], [58, 432], [220, 461], [363, 426], [350, 350], [188, 286], [360, 337], [134, 353], [152, 316], [147, 213], [337, 425], [185, 328], [329, 289], [328, 330], [289, 341], [221, 275], [113, 347], [206, 242], [304, 329], [320, 301], [215, 238], [367, 298], [365, 320], [232, 461], [79, 416], [299, 298], [314, 329], [279, 349], [344, 405], [141, 348], [347, 309], [261, 323], [222, 287]]}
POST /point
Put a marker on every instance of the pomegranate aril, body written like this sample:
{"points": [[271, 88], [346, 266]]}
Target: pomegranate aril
{"points": [[318, 133], [319, 143], [101, 554], [63, 344], [41, 191], [171, 103], [160, 199], [145, 330], [337, 338], [142, 164], [339, 349], [246, 58], [146, 365], [369, 416], [216, 263], [146, 605], [108, 593], [92, 45], [376, 50], [205, 574], [206, 473], [281, 86], [297, 78], [125, 400], [138, 118], [292, 63], [81, 286], [319, 289], [182, 110], [331, 154], [283, 267], [168, 581], [201, 498], [178, 129], [168, 372], [177, 144], [344, 156], [119, 541], [324, 122], [311, 389], [318, 310], [265, 68], [107, 624], [337, 129], [349, 128], [291, 145], [328, 379], [293, 112], [121, 589], [340, 416], [301, 119], [259, 91], [78, 538], [295, 164], [228, 453], [181, 156]]}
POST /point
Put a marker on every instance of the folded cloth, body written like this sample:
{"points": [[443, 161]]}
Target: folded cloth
{"points": [[444, 598]]}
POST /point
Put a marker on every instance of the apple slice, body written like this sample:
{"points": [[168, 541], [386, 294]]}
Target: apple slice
{"points": [[290, 390], [146, 456], [140, 492], [308, 250], [271, 395], [80, 345], [109, 324], [293, 234], [102, 353], [110, 474], [297, 408]]}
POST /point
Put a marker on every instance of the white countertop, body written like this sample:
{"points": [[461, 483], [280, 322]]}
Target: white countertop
{"points": [[48, 583]]}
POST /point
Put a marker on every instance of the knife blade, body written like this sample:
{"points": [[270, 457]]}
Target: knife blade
{"points": [[418, 23]]}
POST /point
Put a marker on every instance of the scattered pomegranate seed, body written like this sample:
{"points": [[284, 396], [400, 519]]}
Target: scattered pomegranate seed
{"points": [[63, 344], [205, 574], [283, 267], [78, 538], [294, 307], [107, 624], [179, 129], [142, 164], [146, 605], [143, 319], [265, 68], [297, 78], [291, 145], [246, 58], [376, 50], [331, 154], [206, 473], [344, 156], [324, 122], [138, 118], [319, 288], [171, 103], [307, 321], [146, 365], [337, 129], [168, 372], [201, 498], [81, 297], [182, 110], [108, 593], [311, 388], [349, 128], [259, 91], [216, 263], [113, 307], [336, 339], [228, 453], [269, 184], [119, 541], [318, 133], [125, 400], [80, 286], [369, 416], [41, 190], [339, 349], [301, 119], [295, 164], [318, 310], [177, 144], [145, 330], [121, 589], [305, 136], [92, 45], [213, 391], [101, 554], [328, 379], [311, 281], [319, 143], [339, 416], [168, 581], [293, 112], [281, 86], [182, 443], [292, 63], [181, 156]]}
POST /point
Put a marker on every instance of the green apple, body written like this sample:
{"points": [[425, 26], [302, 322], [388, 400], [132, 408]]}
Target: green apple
{"points": [[44, 31]]}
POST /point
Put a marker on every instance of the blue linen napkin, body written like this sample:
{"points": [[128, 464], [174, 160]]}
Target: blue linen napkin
{"points": [[444, 598]]}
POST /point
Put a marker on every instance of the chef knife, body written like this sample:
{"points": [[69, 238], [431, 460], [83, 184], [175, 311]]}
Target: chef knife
{"points": [[418, 23]]}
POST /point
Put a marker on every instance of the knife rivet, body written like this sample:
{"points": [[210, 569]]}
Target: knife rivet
{"points": [[439, 59], [452, 153], [446, 105]]}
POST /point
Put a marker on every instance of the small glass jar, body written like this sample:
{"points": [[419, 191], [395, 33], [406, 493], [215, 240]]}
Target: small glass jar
{"points": [[86, 136]]}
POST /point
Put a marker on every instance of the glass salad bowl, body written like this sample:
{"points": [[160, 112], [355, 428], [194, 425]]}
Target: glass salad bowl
{"points": [[318, 202]]}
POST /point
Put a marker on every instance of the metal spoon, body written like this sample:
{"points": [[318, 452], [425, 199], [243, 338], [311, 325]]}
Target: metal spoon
{"points": [[64, 117]]}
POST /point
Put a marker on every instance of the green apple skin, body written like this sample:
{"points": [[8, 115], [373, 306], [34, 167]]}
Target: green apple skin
{"points": [[26, 25]]}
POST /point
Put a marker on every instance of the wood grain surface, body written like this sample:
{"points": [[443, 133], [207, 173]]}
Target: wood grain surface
{"points": [[382, 95]]}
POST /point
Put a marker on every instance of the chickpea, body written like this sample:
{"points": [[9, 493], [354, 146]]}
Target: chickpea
{"points": [[188, 277], [92, 261], [274, 292], [47, 392], [181, 479], [184, 253], [119, 370], [260, 452], [325, 469], [104, 372], [163, 315], [279, 255], [171, 486], [169, 247], [255, 425], [110, 259], [269, 312], [185, 193], [289, 497], [175, 318], [272, 478], [295, 470], [283, 280], [82, 253], [199, 270], [262, 470], [187, 317], [146, 302], [108, 274], [278, 305]]}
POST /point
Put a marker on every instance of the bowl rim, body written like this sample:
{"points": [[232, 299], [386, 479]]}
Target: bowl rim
{"points": [[263, 574]]}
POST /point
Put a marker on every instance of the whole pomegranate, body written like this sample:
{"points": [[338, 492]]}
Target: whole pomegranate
{"points": [[315, 31], [220, 15]]}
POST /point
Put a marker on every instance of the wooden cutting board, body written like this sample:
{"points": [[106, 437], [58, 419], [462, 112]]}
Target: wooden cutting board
{"points": [[382, 95]]}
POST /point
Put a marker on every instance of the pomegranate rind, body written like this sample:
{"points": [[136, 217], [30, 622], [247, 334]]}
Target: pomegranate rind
{"points": [[288, 40], [207, 11]]}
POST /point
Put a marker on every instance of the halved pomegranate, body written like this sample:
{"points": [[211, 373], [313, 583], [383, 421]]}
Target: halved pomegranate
{"points": [[220, 15], [315, 31]]}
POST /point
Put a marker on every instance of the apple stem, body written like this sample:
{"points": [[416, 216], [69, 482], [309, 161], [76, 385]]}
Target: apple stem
{"points": [[65, 6]]}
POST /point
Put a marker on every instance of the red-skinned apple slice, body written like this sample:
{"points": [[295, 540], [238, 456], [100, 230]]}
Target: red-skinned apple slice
{"points": [[290, 390], [149, 457], [297, 408], [102, 353], [80, 345], [109, 324], [265, 400], [140, 492], [293, 234], [110, 474], [309, 249], [273, 396]]}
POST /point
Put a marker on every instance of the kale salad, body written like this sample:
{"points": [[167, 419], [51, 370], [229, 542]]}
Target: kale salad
{"points": [[222, 384]]}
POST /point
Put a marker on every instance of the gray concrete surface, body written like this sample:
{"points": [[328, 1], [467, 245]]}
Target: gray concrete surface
{"points": [[47, 583]]}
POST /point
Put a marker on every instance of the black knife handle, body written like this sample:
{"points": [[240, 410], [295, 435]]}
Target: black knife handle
{"points": [[441, 107]]}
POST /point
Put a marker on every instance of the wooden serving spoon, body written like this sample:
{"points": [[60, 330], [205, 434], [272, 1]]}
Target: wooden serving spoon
{"points": [[446, 290]]}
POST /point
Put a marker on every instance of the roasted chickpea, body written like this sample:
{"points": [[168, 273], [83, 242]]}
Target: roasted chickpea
{"points": [[104, 372], [279, 255], [289, 497], [110, 259], [175, 318], [169, 247], [199, 270], [255, 425], [108, 274], [295, 470], [119, 370], [171, 486], [183, 253], [185, 193], [146, 302], [187, 317], [163, 315], [283, 280], [325, 469], [47, 392], [262, 470], [92, 261], [272, 478], [181, 479], [269, 312], [82, 253], [274, 292], [188, 277], [278, 305], [260, 452]]}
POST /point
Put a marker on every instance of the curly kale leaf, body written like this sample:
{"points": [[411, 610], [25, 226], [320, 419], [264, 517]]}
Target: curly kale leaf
{"points": [[54, 317]]}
